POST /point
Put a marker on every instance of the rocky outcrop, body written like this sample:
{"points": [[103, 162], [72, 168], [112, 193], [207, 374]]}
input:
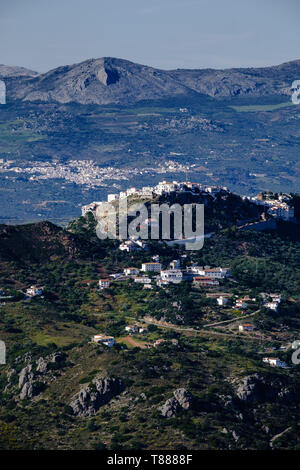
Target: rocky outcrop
{"points": [[25, 375], [170, 408], [37, 374], [27, 383], [182, 400], [91, 397], [28, 390], [254, 387], [43, 365]]}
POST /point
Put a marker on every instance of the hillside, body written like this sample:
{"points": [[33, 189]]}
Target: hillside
{"points": [[37, 242], [253, 82], [204, 387]]}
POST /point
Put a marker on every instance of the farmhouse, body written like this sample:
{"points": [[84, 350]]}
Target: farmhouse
{"points": [[132, 328], [246, 327], [274, 362], [33, 291], [104, 283], [222, 301], [103, 339]]}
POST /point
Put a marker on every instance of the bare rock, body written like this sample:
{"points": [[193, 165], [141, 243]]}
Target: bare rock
{"points": [[170, 408], [27, 390], [182, 399], [91, 397], [42, 365], [25, 375]]}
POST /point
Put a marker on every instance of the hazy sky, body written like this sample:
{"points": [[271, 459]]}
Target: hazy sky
{"points": [[43, 34]]}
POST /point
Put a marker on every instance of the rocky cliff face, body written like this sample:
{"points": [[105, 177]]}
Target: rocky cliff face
{"points": [[91, 397]]}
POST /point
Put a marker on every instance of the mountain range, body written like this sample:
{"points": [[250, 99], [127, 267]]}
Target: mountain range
{"points": [[117, 81], [236, 128]]}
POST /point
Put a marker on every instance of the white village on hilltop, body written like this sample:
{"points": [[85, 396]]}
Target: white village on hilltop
{"points": [[277, 207]]}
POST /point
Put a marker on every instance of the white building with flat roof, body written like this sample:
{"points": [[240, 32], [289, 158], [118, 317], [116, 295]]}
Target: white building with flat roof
{"points": [[104, 339], [274, 361], [222, 301], [104, 283], [112, 197], [151, 267], [165, 187], [246, 327], [272, 306], [131, 271], [33, 291], [215, 273], [171, 275], [92, 207], [142, 280]]}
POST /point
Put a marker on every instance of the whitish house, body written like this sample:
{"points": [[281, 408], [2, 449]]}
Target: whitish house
{"points": [[222, 301], [33, 291], [103, 339], [165, 187], [203, 281], [275, 298], [112, 197], [104, 283], [92, 207], [148, 286], [215, 273], [175, 264], [240, 303], [151, 266], [131, 271], [274, 361], [129, 246], [132, 328], [272, 306], [246, 327], [162, 283], [131, 191], [171, 275], [142, 280]]}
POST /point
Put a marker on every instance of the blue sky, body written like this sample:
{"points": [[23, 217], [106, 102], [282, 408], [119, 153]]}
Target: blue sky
{"points": [[43, 34]]}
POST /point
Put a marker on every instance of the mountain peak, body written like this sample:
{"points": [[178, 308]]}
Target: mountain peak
{"points": [[111, 80]]}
